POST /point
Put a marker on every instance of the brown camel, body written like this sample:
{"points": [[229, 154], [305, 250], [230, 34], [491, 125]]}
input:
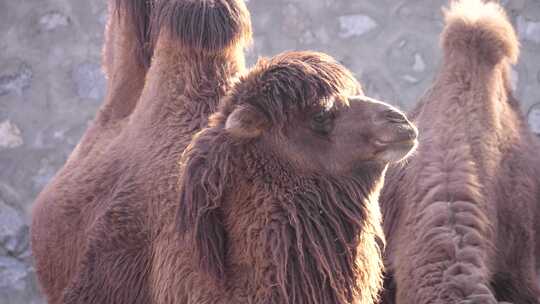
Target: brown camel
{"points": [[459, 217], [274, 202], [137, 132], [125, 65]]}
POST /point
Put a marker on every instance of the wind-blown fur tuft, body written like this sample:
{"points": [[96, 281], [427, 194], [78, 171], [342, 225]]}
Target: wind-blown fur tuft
{"points": [[204, 25], [474, 27], [138, 13]]}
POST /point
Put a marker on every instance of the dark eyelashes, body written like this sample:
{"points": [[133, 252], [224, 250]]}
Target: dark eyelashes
{"points": [[320, 117], [322, 122]]}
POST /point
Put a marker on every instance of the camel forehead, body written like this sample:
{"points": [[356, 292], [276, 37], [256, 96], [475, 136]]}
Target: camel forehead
{"points": [[296, 79]]}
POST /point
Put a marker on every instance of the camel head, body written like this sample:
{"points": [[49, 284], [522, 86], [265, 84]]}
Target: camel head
{"points": [[303, 107]]}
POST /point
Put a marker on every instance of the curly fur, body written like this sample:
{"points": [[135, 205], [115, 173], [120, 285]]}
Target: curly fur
{"points": [[459, 217], [284, 77]]}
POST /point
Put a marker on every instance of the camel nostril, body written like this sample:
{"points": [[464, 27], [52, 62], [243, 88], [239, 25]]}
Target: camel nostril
{"points": [[406, 131], [412, 133], [394, 117]]}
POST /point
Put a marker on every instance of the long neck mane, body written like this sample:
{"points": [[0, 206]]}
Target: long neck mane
{"points": [[321, 239]]}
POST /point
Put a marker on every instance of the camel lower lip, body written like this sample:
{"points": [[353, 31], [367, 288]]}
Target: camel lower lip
{"points": [[382, 143], [397, 150]]}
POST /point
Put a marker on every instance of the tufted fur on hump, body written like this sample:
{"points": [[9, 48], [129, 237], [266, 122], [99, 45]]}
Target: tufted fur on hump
{"points": [[210, 26], [321, 241], [476, 28]]}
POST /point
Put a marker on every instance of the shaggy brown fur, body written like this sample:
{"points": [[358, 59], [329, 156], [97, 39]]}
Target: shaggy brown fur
{"points": [[279, 194], [460, 216], [132, 155], [208, 26]]}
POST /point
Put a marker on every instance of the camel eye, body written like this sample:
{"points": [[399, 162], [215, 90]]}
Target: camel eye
{"points": [[320, 117], [322, 122]]}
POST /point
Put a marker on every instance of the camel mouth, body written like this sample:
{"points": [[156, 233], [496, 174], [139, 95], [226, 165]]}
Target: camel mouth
{"points": [[390, 143], [399, 147], [397, 150], [403, 134], [407, 144]]}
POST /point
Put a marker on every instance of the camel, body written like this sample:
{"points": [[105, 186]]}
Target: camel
{"points": [[125, 64], [157, 106], [134, 222], [459, 217], [279, 193], [138, 223], [274, 202]]}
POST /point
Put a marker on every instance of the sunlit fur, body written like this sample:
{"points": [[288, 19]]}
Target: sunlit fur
{"points": [[482, 28], [461, 216]]}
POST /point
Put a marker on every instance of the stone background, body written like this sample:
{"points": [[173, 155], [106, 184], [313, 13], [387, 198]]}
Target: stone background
{"points": [[51, 82]]}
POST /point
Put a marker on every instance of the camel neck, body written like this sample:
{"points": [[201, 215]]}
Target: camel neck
{"points": [[332, 227]]}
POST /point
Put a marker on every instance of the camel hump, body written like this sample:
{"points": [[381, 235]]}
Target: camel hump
{"points": [[137, 14], [480, 30], [203, 25]]}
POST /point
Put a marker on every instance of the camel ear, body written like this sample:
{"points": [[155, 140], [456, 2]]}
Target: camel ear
{"points": [[245, 122], [200, 214]]}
